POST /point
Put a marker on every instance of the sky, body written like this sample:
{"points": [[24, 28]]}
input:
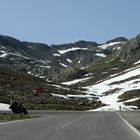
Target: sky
{"points": [[64, 21]]}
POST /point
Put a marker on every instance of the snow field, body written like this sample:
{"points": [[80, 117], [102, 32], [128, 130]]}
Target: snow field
{"points": [[111, 100]]}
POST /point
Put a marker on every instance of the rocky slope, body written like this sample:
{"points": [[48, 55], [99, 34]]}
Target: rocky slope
{"points": [[83, 75], [115, 79], [48, 61], [35, 93]]}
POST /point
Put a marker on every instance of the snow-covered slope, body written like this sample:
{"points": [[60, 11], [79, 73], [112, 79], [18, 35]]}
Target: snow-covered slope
{"points": [[110, 89]]}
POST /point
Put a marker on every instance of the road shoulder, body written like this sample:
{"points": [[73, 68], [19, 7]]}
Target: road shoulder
{"points": [[132, 117]]}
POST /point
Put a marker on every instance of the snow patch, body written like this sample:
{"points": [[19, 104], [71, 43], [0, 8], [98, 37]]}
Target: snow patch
{"points": [[56, 55], [29, 72], [109, 44], [48, 67], [69, 60], [42, 61], [80, 60], [59, 95], [100, 54], [63, 65], [132, 100], [42, 77], [4, 107], [71, 49], [114, 68], [75, 81], [19, 55], [3, 55], [105, 85], [58, 86], [89, 74], [68, 96], [84, 67], [80, 96], [137, 62]]}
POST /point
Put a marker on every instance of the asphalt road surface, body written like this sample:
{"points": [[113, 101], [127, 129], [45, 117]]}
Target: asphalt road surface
{"points": [[69, 126]]}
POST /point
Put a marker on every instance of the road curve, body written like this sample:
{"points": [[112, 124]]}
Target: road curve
{"points": [[70, 126]]}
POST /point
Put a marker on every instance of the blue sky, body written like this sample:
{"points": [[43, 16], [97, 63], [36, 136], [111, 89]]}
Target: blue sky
{"points": [[63, 21]]}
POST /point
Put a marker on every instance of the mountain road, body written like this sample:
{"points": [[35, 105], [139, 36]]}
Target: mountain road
{"points": [[69, 126]]}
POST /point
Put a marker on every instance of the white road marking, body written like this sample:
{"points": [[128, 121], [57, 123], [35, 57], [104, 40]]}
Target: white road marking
{"points": [[11, 122], [8, 122], [65, 125]]}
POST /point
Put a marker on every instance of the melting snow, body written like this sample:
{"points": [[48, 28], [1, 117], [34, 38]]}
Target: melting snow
{"points": [[58, 95], [68, 96], [58, 86], [4, 107], [71, 49], [16, 54], [70, 61], [48, 67], [137, 62], [56, 55], [80, 60], [19, 55], [75, 81], [42, 61], [84, 67], [63, 65], [132, 100], [114, 68], [109, 44], [42, 77], [80, 96], [100, 54], [29, 72], [111, 100], [3, 55]]}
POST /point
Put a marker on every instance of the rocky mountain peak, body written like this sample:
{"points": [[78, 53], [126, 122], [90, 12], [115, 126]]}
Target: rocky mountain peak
{"points": [[118, 39]]}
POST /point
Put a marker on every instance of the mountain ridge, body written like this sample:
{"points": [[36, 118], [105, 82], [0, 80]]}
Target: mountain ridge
{"points": [[86, 52], [80, 68]]}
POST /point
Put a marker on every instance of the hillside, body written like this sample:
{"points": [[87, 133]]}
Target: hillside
{"points": [[35, 93], [78, 76], [46, 61], [115, 79]]}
